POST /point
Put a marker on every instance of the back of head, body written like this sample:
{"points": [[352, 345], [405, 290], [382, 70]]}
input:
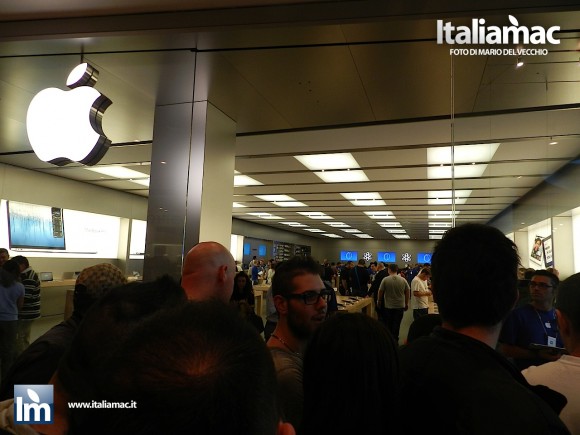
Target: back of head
{"points": [[364, 345], [287, 270], [104, 328], [193, 368], [94, 282], [22, 261], [208, 272], [361, 262], [10, 273], [393, 268], [423, 326], [568, 301], [474, 276]]}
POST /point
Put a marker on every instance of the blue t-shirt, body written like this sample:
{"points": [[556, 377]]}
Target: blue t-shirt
{"points": [[526, 325], [8, 298]]}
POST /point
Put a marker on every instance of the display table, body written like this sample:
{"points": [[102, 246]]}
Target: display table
{"points": [[259, 296], [54, 297], [352, 304]]}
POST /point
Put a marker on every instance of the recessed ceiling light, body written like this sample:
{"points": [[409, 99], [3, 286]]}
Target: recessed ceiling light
{"points": [[379, 214], [238, 205], [363, 236], [437, 231], [265, 215], [443, 197], [332, 236], [444, 214], [293, 224], [118, 172], [401, 236], [351, 230], [396, 231], [316, 162], [313, 230], [337, 224], [244, 180], [435, 236], [314, 214], [281, 200], [142, 182], [389, 224], [347, 176], [364, 198], [439, 224], [481, 153]]}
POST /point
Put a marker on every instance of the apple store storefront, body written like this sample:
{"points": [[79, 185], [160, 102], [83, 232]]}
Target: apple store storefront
{"points": [[365, 137]]}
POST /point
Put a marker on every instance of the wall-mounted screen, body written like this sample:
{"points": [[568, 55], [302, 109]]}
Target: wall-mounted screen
{"points": [[348, 255], [32, 226], [247, 249], [262, 250], [424, 257], [387, 257]]}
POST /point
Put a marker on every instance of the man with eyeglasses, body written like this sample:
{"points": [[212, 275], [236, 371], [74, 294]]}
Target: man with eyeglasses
{"points": [[300, 298], [530, 334]]}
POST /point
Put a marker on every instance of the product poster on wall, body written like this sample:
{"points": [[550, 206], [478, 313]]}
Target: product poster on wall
{"points": [[548, 251], [536, 254]]}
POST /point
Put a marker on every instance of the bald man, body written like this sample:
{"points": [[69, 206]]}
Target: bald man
{"points": [[208, 272]]}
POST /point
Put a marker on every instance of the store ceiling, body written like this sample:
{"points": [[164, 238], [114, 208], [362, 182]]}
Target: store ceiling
{"points": [[379, 90]]}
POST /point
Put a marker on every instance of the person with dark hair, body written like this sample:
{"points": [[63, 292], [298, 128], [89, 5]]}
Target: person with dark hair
{"points": [[466, 385], [393, 299], [363, 344], [533, 323], [4, 256], [11, 299], [99, 337], [192, 368], [39, 361], [300, 298], [208, 272], [30, 310], [563, 375], [243, 297], [360, 279], [423, 326]]}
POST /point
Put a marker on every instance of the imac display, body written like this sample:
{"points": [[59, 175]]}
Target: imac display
{"points": [[387, 257], [33, 226], [348, 255], [424, 257]]}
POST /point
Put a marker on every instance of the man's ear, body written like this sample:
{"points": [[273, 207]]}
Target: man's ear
{"points": [[281, 304], [223, 273], [563, 323]]}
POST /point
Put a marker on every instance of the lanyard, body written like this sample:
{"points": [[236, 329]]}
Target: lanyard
{"points": [[546, 335]]}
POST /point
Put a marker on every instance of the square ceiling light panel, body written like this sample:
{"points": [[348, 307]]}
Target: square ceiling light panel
{"points": [[281, 200], [334, 168], [363, 236], [468, 160], [314, 214], [332, 236], [389, 224], [380, 214], [265, 216], [314, 230], [364, 198], [337, 224], [241, 180], [293, 224], [351, 230], [439, 224], [442, 214], [443, 197]]}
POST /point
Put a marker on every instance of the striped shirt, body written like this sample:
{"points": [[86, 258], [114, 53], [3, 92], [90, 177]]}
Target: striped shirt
{"points": [[31, 308]]}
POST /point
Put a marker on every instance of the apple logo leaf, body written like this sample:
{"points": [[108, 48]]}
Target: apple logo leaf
{"points": [[33, 395]]}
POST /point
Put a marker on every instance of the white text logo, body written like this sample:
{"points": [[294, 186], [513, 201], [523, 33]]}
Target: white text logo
{"points": [[478, 33]]}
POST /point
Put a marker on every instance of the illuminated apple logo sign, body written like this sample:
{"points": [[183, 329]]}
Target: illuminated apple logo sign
{"points": [[65, 126]]}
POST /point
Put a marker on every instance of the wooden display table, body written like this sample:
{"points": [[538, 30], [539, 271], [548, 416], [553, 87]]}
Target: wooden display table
{"points": [[352, 304]]}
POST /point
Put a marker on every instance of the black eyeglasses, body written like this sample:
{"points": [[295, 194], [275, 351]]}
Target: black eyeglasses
{"points": [[541, 285], [311, 297]]}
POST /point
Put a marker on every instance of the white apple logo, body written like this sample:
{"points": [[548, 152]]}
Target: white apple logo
{"points": [[65, 126]]}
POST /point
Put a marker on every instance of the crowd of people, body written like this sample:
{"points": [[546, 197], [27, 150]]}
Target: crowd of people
{"points": [[191, 360]]}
